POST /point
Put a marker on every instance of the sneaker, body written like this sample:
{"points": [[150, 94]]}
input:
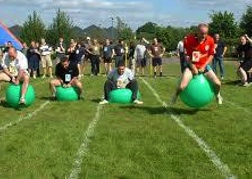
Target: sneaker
{"points": [[136, 101], [222, 78], [246, 84], [51, 76], [22, 100], [43, 76], [34, 76], [104, 102], [219, 99]]}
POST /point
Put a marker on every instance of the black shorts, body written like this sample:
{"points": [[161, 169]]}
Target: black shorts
{"points": [[246, 65], [141, 62], [107, 59], [156, 61]]}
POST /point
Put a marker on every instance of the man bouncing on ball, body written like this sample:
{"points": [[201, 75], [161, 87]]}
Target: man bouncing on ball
{"points": [[15, 67], [66, 76], [199, 52]]}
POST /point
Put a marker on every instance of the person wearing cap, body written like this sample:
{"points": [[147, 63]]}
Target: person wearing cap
{"points": [[121, 77], [66, 74], [199, 53]]}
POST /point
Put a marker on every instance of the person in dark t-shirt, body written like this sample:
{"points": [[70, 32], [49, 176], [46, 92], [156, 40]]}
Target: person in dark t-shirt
{"points": [[220, 50], [245, 52], [66, 76], [119, 52]]}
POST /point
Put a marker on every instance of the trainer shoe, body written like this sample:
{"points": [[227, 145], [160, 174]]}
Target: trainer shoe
{"points": [[136, 101], [43, 76], [22, 100], [246, 84], [219, 99], [104, 102]]}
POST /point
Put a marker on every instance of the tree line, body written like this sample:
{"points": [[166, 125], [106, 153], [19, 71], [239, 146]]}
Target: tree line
{"points": [[223, 23]]}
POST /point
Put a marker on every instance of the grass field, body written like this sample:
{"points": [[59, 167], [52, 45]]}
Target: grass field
{"points": [[84, 140]]}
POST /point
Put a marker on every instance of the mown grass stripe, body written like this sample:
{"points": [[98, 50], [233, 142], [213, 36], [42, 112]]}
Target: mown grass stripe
{"points": [[224, 169], [83, 149]]}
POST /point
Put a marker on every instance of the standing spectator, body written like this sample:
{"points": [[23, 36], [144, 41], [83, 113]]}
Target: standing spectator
{"points": [[94, 51], [119, 53], [80, 55], [24, 49], [156, 52], [140, 58], [60, 50], [46, 61], [7, 46], [245, 52], [72, 51], [220, 50], [38, 71], [108, 53], [33, 57], [181, 55], [132, 47]]}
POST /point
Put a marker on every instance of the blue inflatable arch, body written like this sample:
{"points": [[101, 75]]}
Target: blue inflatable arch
{"points": [[6, 35]]}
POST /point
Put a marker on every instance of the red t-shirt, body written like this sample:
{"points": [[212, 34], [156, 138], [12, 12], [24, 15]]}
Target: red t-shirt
{"points": [[205, 49]]}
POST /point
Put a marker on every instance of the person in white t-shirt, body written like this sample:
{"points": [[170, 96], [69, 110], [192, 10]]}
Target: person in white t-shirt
{"points": [[15, 70], [46, 61], [121, 77], [140, 57]]}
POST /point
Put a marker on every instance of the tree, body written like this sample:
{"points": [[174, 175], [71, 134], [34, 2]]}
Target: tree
{"points": [[62, 26], [147, 31], [33, 28], [123, 30], [246, 21], [224, 24]]}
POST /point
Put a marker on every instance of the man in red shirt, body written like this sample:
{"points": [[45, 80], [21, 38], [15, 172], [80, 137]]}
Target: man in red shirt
{"points": [[199, 52]]}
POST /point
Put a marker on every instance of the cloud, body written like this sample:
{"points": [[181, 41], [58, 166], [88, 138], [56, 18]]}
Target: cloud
{"points": [[133, 12]]}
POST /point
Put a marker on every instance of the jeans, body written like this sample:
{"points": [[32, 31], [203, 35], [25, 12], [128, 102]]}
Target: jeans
{"points": [[218, 61]]}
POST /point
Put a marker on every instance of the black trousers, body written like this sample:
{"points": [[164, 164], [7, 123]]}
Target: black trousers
{"points": [[95, 64], [118, 60], [111, 85]]}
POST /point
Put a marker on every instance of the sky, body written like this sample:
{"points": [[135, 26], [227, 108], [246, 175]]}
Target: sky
{"points": [[135, 13]]}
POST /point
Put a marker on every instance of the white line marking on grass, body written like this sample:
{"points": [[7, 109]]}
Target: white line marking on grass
{"points": [[83, 149], [30, 115], [224, 169]]}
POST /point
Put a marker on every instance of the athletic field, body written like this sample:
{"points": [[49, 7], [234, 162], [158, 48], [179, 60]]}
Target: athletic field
{"points": [[85, 140]]}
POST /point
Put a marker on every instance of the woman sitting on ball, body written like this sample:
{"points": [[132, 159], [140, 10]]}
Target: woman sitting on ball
{"points": [[121, 77], [66, 76], [199, 51]]}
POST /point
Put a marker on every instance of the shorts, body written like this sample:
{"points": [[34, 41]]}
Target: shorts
{"points": [[107, 59], [141, 62], [46, 61], [207, 69], [246, 65], [156, 61]]}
